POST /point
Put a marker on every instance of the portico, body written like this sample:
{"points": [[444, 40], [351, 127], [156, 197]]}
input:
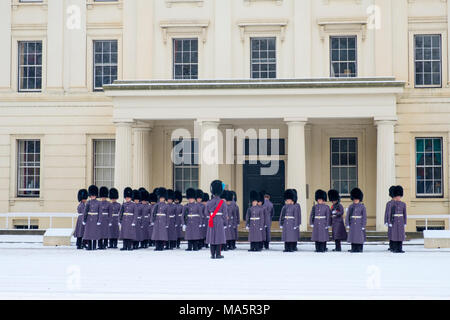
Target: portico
{"points": [[297, 106]]}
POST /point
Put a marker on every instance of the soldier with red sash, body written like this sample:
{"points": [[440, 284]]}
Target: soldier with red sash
{"points": [[216, 210]]}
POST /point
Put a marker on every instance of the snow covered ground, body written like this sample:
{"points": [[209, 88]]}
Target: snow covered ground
{"points": [[30, 271]]}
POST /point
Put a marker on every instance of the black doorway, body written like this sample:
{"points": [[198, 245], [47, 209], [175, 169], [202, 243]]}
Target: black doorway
{"points": [[273, 184]]}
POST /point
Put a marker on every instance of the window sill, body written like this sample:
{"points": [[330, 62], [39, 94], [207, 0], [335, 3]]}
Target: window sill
{"points": [[39, 200]]}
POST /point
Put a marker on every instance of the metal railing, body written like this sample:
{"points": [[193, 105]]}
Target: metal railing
{"points": [[29, 216]]}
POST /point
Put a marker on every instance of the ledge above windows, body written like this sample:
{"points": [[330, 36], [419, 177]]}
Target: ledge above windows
{"points": [[15, 4], [91, 3], [330, 25], [184, 27], [249, 2], [198, 3], [275, 26]]}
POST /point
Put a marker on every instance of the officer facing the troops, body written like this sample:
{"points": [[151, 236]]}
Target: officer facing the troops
{"points": [[113, 230], [397, 220], [320, 221], [290, 221], [338, 231], [128, 220], [216, 210], [92, 219], [79, 228], [356, 221]]}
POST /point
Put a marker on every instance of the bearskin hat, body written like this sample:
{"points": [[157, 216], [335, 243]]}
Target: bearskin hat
{"points": [[205, 197], [356, 193], [223, 195], [93, 191], [261, 197], [144, 195], [391, 191], [170, 194], [198, 194], [289, 194], [295, 195], [265, 193], [333, 195], [229, 196], [216, 187], [234, 196], [254, 196], [128, 192], [178, 195], [190, 193], [136, 195], [82, 194], [398, 191], [320, 194], [161, 193], [113, 194], [152, 197], [104, 192]]}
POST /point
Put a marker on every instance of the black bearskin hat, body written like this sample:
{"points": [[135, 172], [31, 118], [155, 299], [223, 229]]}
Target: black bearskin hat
{"points": [[170, 194], [234, 196], [391, 191], [144, 195], [190, 193], [104, 192], [82, 194], [178, 195], [216, 187], [295, 195], [113, 194], [128, 192], [254, 196], [356, 194], [228, 195], [261, 197], [205, 197], [320, 194], [289, 194], [398, 191], [162, 193], [333, 195], [198, 194], [136, 195], [223, 195], [93, 191], [265, 193], [152, 197]]}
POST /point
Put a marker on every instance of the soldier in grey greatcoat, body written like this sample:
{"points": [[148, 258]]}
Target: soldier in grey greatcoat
{"points": [[320, 221], [237, 219], [137, 201], [105, 211], [230, 231], [397, 220], [255, 222], [199, 199], [79, 228], [290, 221], [113, 231], [152, 199], [270, 212], [356, 221], [145, 225], [215, 235], [128, 220], [338, 231], [92, 219], [160, 220], [179, 217], [193, 217], [172, 231], [386, 215]]}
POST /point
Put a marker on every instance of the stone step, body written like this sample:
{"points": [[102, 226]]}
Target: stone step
{"points": [[21, 232]]}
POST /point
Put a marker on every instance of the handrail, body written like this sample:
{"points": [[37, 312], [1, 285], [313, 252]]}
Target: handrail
{"points": [[30, 215]]}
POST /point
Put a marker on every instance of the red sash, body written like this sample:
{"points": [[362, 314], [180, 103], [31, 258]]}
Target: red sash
{"points": [[211, 218]]}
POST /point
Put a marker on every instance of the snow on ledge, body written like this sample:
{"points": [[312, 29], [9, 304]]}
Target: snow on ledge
{"points": [[436, 234], [58, 233]]}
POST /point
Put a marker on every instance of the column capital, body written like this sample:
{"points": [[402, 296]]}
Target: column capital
{"points": [[123, 122], [296, 120], [143, 126], [385, 121], [212, 120]]}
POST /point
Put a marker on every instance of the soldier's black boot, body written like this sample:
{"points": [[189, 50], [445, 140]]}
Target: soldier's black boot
{"points": [[361, 247], [400, 247], [105, 243], [234, 244], [213, 251], [79, 243], [292, 247], [285, 247], [115, 242], [89, 245], [94, 245], [124, 246], [391, 246], [190, 245], [317, 247], [218, 249], [205, 244], [352, 248], [266, 245]]}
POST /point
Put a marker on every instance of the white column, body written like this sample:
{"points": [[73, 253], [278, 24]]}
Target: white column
{"points": [[55, 41], [141, 157], [296, 166], [5, 40], [385, 167], [123, 156], [209, 152]]}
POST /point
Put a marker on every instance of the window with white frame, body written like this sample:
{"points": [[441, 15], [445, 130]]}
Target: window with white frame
{"points": [[185, 160], [429, 167], [105, 63], [428, 60], [30, 66], [28, 168], [185, 59], [104, 162], [263, 58], [344, 166], [343, 56]]}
